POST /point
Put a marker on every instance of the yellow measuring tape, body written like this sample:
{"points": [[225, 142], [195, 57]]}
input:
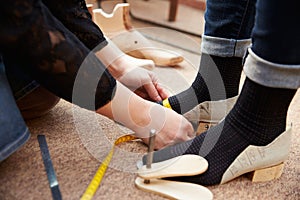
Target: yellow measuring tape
{"points": [[166, 103], [94, 184]]}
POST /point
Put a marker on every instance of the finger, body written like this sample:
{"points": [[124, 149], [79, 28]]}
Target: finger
{"points": [[191, 134], [162, 92], [161, 142], [183, 138], [187, 133], [152, 92]]}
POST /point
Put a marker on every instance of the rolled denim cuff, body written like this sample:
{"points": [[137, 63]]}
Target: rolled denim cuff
{"points": [[224, 47], [19, 140], [271, 74]]}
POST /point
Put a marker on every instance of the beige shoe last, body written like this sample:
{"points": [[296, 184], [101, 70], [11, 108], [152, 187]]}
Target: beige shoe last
{"points": [[209, 113], [266, 162]]}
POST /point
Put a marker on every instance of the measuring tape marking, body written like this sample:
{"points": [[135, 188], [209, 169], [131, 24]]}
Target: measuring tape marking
{"points": [[95, 182]]}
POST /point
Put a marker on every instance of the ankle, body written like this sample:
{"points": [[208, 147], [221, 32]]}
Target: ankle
{"points": [[227, 69], [260, 112]]}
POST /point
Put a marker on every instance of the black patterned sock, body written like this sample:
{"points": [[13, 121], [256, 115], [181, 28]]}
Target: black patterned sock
{"points": [[258, 117], [218, 78]]}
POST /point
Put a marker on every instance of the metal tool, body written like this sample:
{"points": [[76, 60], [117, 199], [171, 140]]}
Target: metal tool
{"points": [[150, 152], [53, 183]]}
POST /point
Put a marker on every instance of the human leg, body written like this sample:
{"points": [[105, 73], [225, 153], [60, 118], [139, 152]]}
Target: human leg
{"points": [[32, 99], [259, 116], [37, 103], [227, 35], [13, 132]]}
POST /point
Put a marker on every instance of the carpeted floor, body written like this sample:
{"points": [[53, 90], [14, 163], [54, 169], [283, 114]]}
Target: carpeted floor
{"points": [[78, 140], [23, 176]]}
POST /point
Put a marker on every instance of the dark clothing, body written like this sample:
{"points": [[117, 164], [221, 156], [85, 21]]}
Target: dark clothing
{"points": [[42, 46], [50, 46]]}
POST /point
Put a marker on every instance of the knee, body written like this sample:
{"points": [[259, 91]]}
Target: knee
{"points": [[37, 103]]}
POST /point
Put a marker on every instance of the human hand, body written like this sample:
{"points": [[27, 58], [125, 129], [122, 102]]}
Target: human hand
{"points": [[144, 83], [141, 116], [176, 129], [128, 71], [171, 128]]}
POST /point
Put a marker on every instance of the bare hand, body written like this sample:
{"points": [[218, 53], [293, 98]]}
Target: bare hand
{"points": [[144, 83], [141, 116], [171, 127]]}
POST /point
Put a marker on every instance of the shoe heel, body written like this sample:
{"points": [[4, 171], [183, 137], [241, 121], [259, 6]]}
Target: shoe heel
{"points": [[267, 174]]}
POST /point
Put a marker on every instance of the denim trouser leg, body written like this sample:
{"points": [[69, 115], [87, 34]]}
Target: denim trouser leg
{"points": [[13, 130], [274, 58], [228, 26]]}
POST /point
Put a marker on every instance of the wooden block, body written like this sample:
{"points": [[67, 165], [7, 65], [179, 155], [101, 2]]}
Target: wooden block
{"points": [[198, 4], [203, 126], [173, 10], [268, 174]]}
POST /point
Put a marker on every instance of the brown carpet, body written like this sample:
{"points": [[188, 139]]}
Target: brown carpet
{"points": [[23, 176], [78, 140]]}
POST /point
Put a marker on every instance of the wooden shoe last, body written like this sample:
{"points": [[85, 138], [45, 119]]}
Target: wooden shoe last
{"points": [[118, 28]]}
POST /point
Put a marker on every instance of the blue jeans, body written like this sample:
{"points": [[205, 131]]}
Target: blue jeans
{"points": [[13, 132], [228, 26], [272, 28]]}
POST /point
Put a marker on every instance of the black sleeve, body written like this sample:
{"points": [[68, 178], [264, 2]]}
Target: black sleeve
{"points": [[45, 48], [76, 17]]}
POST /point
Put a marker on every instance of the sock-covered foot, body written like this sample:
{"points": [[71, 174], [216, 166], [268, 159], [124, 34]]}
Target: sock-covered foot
{"points": [[258, 117], [218, 78]]}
